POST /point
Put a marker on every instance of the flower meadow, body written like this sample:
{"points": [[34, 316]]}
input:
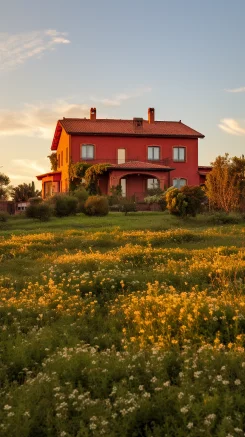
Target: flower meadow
{"points": [[119, 330]]}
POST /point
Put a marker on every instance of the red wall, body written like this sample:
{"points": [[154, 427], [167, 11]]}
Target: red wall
{"points": [[136, 149]]}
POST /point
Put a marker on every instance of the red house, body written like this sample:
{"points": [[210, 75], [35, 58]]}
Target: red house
{"points": [[143, 153]]}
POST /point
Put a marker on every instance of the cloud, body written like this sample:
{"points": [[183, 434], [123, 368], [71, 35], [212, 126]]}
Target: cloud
{"points": [[237, 90], [38, 120], [17, 48], [118, 99], [232, 127], [28, 165], [25, 170]]}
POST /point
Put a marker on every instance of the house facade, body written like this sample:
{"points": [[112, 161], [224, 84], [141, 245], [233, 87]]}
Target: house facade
{"points": [[142, 153]]}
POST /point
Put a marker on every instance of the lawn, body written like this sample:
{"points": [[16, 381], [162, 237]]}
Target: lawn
{"points": [[122, 326]]}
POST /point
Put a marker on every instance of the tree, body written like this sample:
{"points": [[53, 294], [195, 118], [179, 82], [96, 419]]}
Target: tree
{"points": [[238, 169], [23, 192], [224, 182], [4, 186]]}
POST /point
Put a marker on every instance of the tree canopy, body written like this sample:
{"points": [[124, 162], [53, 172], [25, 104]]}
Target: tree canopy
{"points": [[225, 184], [24, 191], [4, 186]]}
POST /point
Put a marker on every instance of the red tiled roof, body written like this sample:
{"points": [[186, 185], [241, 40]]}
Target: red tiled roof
{"points": [[115, 127], [127, 127], [139, 165]]}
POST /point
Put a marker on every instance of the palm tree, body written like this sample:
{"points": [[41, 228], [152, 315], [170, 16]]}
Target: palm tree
{"points": [[24, 191]]}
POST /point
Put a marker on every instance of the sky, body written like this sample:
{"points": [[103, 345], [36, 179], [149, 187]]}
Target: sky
{"points": [[59, 58]]}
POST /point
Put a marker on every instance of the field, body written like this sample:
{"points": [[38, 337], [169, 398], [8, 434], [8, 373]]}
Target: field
{"points": [[122, 326]]}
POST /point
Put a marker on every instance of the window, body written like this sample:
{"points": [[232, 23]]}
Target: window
{"points": [[179, 182], [66, 154], [179, 154], [154, 153], [87, 151], [47, 189], [121, 153], [62, 158], [58, 160], [152, 183], [123, 187]]}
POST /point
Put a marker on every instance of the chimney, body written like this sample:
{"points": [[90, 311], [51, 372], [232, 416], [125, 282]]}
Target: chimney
{"points": [[93, 114], [138, 124], [151, 115]]}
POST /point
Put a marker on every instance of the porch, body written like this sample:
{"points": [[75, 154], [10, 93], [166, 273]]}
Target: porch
{"points": [[135, 178]]}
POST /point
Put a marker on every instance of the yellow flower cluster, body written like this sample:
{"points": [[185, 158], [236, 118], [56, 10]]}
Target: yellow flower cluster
{"points": [[48, 297], [163, 317]]}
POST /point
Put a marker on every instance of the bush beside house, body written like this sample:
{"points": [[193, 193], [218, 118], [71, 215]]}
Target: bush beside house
{"points": [[96, 206]]}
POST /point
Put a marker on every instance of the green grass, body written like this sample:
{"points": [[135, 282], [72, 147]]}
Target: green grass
{"points": [[122, 326]]}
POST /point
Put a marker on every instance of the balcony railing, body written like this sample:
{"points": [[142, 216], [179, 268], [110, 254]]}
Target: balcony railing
{"points": [[166, 161]]}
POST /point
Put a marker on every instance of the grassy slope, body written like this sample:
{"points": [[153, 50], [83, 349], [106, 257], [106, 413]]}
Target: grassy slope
{"points": [[59, 286]]}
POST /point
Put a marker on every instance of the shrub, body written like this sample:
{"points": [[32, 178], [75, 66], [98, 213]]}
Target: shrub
{"points": [[35, 200], [195, 196], [3, 216], [81, 195], [64, 205], [159, 199], [96, 205], [154, 191], [222, 218], [128, 205], [116, 196], [41, 211], [185, 201]]}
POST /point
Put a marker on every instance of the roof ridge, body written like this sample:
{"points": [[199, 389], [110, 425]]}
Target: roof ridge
{"points": [[121, 119]]}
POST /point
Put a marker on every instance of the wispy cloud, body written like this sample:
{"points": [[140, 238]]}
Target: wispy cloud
{"points": [[232, 127], [15, 49], [118, 99], [236, 90], [38, 120], [28, 165], [25, 170]]}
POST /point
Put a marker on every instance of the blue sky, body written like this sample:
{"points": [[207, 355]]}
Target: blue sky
{"points": [[59, 58]]}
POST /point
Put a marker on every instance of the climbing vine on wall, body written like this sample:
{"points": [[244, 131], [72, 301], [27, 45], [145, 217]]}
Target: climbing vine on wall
{"points": [[77, 173], [92, 177], [53, 161]]}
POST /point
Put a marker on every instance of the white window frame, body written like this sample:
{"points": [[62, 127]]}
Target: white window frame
{"points": [[84, 151], [155, 150], [177, 182], [155, 183], [123, 184], [178, 159]]}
